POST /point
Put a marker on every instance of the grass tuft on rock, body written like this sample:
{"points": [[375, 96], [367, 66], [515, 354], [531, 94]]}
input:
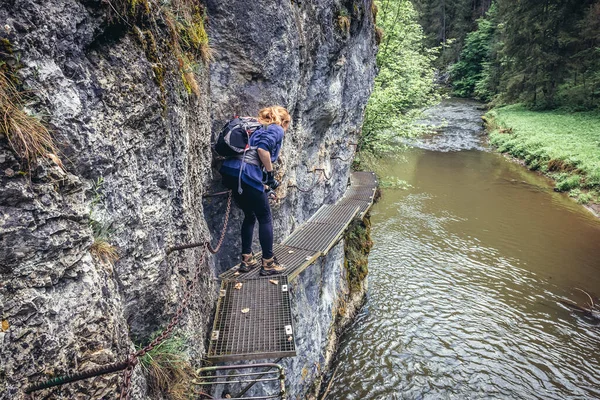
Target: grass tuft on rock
{"points": [[104, 251], [374, 11], [101, 248], [169, 371], [26, 134], [378, 35], [343, 21]]}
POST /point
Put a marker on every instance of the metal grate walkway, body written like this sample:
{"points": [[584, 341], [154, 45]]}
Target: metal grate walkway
{"points": [[253, 318]]}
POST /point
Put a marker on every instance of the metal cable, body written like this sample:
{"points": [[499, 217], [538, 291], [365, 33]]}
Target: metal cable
{"points": [[310, 187], [336, 157], [324, 174]]}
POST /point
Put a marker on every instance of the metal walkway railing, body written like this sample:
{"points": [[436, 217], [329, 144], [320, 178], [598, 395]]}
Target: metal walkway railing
{"points": [[231, 376], [253, 318]]}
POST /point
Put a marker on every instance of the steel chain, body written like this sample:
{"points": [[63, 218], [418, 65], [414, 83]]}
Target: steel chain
{"points": [[133, 358], [224, 231]]}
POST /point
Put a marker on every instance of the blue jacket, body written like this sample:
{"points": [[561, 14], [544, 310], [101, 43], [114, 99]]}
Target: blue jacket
{"points": [[270, 139]]}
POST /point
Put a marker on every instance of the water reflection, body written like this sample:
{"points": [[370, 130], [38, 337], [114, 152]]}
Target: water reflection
{"points": [[468, 268]]}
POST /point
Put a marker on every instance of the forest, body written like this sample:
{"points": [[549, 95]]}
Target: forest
{"points": [[535, 64], [544, 54]]}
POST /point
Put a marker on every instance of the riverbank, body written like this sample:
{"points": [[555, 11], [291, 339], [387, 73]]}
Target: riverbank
{"points": [[564, 146]]}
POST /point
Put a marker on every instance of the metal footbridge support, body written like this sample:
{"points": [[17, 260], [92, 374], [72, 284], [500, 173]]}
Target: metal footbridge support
{"points": [[253, 318], [234, 376]]}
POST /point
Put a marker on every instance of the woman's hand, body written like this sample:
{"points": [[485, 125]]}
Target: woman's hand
{"points": [[271, 181]]}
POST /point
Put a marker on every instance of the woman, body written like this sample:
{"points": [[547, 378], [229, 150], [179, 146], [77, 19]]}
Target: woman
{"points": [[252, 198]]}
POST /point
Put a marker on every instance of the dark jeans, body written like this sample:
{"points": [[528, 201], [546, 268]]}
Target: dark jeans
{"points": [[255, 205]]}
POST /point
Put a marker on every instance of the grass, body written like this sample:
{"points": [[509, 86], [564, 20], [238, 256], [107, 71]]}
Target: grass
{"points": [[378, 35], [343, 21], [101, 248], [169, 370], [26, 134], [104, 251], [374, 11], [563, 145]]}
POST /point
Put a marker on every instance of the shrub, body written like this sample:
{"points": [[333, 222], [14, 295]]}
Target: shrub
{"points": [[567, 183]]}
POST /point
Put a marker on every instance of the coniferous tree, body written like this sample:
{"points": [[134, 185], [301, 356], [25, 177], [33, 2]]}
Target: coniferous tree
{"points": [[542, 53]]}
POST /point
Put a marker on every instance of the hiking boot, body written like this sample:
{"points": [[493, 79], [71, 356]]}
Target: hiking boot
{"points": [[248, 263], [271, 267]]}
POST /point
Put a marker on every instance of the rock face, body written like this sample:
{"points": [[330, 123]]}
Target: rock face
{"points": [[136, 152]]}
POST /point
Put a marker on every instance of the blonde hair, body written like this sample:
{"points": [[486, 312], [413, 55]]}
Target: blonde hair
{"points": [[274, 115]]}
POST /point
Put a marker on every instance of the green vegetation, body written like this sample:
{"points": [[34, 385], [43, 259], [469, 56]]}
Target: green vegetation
{"points": [[357, 245], [27, 135], [185, 43], [470, 74], [405, 83], [545, 55], [566, 146], [169, 371], [447, 23]]}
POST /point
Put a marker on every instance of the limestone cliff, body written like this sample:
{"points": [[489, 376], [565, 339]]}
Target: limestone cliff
{"points": [[132, 114]]}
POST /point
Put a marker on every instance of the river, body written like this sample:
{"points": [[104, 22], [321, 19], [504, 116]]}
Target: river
{"points": [[472, 257]]}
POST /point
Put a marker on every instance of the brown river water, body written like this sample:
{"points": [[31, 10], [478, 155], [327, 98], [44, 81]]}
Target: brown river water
{"points": [[471, 260]]}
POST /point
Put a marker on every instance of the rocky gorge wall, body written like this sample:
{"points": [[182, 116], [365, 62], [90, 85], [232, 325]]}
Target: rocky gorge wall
{"points": [[134, 139]]}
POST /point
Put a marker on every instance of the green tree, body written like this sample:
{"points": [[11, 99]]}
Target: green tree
{"points": [[580, 90], [447, 23], [540, 39], [544, 54], [468, 71], [405, 82]]}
